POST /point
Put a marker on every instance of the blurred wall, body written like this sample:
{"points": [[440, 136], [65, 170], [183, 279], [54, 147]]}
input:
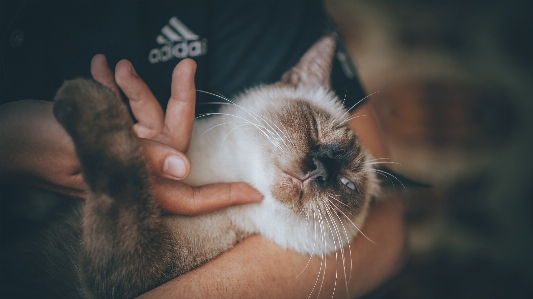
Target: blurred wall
{"points": [[455, 102]]}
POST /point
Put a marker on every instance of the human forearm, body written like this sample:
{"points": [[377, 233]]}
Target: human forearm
{"points": [[258, 268]]}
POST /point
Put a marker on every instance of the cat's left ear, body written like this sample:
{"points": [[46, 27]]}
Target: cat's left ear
{"points": [[314, 68]]}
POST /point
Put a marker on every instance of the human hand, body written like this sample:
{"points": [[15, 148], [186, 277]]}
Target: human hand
{"points": [[165, 138], [36, 150]]}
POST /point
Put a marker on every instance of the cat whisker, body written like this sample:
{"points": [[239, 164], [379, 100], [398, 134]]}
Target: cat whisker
{"points": [[321, 261], [350, 220], [256, 127], [385, 162], [228, 114], [274, 142], [315, 246], [315, 249], [349, 251], [251, 113], [361, 100], [216, 127], [341, 118], [338, 200], [224, 139], [337, 234], [345, 93], [214, 103], [310, 257], [288, 137], [328, 203], [277, 131], [386, 174], [348, 240], [378, 159], [261, 128], [323, 255], [350, 118], [267, 121], [306, 265], [333, 119]]}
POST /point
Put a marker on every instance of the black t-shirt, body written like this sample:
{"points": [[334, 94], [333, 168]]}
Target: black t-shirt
{"points": [[236, 44]]}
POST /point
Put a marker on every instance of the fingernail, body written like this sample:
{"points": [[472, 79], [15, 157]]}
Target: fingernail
{"points": [[133, 72], [257, 197], [175, 167]]}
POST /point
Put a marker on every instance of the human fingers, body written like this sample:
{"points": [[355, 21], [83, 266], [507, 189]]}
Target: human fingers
{"points": [[186, 200], [166, 161], [179, 119], [143, 103], [102, 73]]}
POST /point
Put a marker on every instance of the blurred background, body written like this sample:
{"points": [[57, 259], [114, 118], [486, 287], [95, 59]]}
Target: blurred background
{"points": [[455, 85]]}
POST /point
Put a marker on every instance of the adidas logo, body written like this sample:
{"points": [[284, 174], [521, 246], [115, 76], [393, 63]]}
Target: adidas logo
{"points": [[177, 41]]}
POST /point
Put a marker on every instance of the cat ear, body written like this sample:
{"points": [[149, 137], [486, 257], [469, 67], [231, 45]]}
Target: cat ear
{"points": [[314, 68]]}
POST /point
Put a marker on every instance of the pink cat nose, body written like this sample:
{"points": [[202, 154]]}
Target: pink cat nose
{"points": [[319, 172]]}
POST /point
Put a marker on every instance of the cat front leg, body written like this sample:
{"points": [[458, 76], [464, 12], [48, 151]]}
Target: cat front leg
{"points": [[127, 249]]}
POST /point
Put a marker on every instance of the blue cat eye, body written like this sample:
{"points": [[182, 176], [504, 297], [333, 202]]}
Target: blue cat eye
{"points": [[346, 182]]}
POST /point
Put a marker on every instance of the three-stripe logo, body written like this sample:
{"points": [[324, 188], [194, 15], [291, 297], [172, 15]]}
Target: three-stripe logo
{"points": [[177, 41]]}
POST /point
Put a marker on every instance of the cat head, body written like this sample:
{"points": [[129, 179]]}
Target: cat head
{"points": [[314, 161]]}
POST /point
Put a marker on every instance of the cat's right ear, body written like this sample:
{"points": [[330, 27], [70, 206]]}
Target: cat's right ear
{"points": [[314, 68]]}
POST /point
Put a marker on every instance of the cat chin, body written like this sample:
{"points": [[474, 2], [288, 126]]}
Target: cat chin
{"points": [[284, 226]]}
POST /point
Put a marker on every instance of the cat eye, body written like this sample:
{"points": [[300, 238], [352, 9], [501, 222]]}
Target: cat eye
{"points": [[346, 182]]}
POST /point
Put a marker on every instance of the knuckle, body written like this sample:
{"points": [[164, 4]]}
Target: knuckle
{"points": [[231, 195], [194, 201]]}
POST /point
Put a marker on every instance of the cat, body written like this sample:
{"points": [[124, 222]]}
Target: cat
{"points": [[290, 140]]}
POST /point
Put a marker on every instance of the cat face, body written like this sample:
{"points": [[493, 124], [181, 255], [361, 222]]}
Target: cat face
{"points": [[322, 161], [313, 161]]}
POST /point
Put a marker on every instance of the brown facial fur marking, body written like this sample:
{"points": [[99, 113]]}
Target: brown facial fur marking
{"points": [[320, 155]]}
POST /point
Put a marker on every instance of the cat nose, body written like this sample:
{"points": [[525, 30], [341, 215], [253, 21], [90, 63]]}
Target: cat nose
{"points": [[318, 173]]}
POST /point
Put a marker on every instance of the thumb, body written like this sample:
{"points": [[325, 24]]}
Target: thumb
{"points": [[165, 161]]}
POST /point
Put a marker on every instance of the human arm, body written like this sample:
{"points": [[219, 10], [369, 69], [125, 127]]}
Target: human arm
{"points": [[258, 268]]}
